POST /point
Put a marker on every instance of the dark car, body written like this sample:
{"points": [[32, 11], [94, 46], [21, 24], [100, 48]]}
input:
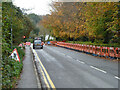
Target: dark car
{"points": [[37, 44]]}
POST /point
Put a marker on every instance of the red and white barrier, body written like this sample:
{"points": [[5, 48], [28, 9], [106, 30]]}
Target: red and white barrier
{"points": [[87, 48], [96, 50], [117, 52], [91, 51], [84, 48], [111, 51], [28, 43], [105, 51]]}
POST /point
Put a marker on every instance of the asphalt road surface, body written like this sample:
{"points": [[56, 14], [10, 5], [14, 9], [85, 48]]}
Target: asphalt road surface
{"points": [[73, 69]]}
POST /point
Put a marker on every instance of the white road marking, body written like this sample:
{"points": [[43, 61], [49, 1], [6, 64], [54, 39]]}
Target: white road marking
{"points": [[69, 56], [77, 60], [81, 62], [98, 69], [117, 77]]}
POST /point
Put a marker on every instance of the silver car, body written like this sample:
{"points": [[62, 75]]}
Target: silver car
{"points": [[37, 44]]}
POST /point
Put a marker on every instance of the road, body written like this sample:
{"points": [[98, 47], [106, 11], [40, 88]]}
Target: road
{"points": [[73, 69]]}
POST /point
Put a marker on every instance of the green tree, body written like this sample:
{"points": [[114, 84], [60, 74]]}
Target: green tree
{"points": [[12, 19]]}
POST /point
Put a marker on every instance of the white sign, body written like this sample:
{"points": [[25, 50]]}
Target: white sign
{"points": [[15, 55]]}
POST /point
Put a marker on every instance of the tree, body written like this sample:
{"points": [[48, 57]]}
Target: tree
{"points": [[93, 21], [13, 18]]}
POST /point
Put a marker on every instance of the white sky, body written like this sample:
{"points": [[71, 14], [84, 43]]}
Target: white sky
{"points": [[40, 7]]}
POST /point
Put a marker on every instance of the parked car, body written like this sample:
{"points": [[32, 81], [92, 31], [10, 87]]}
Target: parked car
{"points": [[37, 44]]}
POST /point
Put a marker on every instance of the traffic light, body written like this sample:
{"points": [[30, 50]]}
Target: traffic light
{"points": [[24, 37]]}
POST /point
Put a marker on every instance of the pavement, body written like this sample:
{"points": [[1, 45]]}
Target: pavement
{"points": [[71, 69], [28, 76]]}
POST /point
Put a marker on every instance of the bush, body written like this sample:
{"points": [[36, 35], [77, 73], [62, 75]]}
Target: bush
{"points": [[11, 70], [96, 43]]}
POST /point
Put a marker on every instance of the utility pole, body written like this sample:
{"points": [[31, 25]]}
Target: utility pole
{"points": [[11, 25], [11, 37]]}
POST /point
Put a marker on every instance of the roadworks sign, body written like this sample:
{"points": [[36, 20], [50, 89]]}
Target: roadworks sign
{"points": [[15, 55]]}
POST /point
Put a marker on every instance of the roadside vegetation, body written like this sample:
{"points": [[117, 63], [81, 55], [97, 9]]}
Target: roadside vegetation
{"points": [[11, 70], [13, 18], [95, 43], [39, 30], [0, 42], [93, 22]]}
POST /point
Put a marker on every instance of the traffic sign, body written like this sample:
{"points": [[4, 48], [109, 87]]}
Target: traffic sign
{"points": [[15, 55]]}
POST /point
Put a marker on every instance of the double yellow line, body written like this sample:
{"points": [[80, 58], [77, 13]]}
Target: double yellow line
{"points": [[45, 74]]}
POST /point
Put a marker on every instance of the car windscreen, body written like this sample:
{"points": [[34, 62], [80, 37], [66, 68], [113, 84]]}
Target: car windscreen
{"points": [[37, 41]]}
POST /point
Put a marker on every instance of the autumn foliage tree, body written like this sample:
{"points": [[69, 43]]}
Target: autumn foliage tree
{"points": [[84, 21]]}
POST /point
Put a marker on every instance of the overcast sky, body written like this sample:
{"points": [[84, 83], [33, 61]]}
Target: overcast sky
{"points": [[40, 7]]}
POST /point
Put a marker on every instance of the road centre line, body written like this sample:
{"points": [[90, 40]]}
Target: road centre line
{"points": [[69, 56], [45, 73], [117, 77], [77, 60], [84, 63], [98, 69], [81, 62]]}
